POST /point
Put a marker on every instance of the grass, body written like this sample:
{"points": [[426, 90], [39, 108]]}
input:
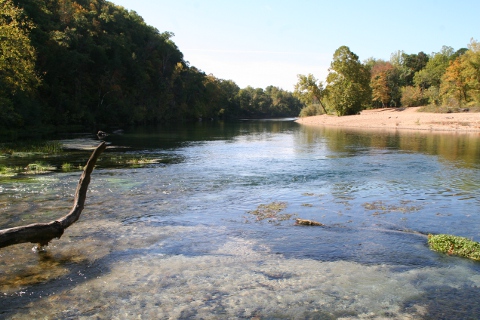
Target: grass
{"points": [[449, 109], [454, 245]]}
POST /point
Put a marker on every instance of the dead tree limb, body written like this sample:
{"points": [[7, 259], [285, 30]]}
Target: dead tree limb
{"points": [[43, 233]]}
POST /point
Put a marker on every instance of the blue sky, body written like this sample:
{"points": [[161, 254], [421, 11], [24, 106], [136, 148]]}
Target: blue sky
{"points": [[269, 42]]}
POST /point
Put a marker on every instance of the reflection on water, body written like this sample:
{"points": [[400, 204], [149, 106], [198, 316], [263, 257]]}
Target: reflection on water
{"points": [[175, 239]]}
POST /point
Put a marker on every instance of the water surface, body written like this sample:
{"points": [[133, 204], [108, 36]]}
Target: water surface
{"points": [[176, 237]]}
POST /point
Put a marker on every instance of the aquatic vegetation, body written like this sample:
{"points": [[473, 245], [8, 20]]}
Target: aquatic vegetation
{"points": [[142, 161], [133, 161], [67, 167], [20, 148], [454, 245], [32, 168], [381, 207], [70, 167], [38, 167], [7, 171], [271, 212]]}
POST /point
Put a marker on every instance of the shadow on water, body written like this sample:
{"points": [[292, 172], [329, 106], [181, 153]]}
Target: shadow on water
{"points": [[55, 274], [51, 276], [445, 303]]}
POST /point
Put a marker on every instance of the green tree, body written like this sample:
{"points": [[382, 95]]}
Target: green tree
{"points": [[471, 70], [460, 84], [284, 104], [271, 102], [432, 74], [310, 92], [407, 65], [228, 103], [348, 83], [17, 61]]}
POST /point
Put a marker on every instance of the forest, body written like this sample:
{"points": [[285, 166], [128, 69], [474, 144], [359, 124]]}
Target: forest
{"points": [[445, 81], [92, 64]]}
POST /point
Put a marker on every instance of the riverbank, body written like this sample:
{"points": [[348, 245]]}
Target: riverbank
{"points": [[401, 119]]}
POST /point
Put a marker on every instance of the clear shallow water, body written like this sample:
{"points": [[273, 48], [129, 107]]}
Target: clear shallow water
{"points": [[175, 239]]}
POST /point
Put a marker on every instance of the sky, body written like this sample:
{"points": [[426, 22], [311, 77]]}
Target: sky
{"points": [[260, 43]]}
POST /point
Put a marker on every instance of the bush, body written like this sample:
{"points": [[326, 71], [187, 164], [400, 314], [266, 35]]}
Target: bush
{"points": [[311, 110], [412, 97], [432, 94]]}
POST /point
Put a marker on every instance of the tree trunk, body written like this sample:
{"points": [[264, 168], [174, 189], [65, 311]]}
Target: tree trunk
{"points": [[43, 233]]}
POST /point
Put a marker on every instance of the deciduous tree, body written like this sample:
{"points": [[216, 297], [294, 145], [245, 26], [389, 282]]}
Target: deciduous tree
{"points": [[384, 83], [432, 74], [17, 60], [309, 91], [471, 70], [348, 83], [454, 84]]}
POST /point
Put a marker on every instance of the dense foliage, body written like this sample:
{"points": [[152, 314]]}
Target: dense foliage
{"points": [[348, 83], [17, 61], [447, 80], [92, 63]]}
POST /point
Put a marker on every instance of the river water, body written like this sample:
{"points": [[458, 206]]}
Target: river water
{"points": [[173, 226]]}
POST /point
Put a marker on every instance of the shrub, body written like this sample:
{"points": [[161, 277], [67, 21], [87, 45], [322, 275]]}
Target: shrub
{"points": [[412, 97], [311, 110]]}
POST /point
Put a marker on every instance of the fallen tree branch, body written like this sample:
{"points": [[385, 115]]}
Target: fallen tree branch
{"points": [[43, 233], [305, 222]]}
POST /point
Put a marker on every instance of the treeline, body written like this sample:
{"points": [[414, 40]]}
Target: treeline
{"points": [[91, 63], [446, 81]]}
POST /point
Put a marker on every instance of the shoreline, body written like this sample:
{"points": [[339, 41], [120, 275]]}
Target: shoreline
{"points": [[400, 119]]}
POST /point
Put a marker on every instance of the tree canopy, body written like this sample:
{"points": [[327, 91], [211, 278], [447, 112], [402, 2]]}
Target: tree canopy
{"points": [[446, 80], [348, 83], [17, 60], [91, 63], [310, 92]]}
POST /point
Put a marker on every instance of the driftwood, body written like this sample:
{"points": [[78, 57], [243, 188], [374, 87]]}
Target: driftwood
{"points": [[43, 233], [305, 222]]}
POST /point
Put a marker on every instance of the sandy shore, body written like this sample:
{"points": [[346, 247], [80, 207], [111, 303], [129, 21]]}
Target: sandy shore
{"points": [[405, 119]]}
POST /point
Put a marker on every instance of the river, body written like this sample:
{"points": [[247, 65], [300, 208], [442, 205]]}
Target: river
{"points": [[198, 222]]}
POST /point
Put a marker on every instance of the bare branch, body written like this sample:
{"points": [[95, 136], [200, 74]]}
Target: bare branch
{"points": [[43, 233]]}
